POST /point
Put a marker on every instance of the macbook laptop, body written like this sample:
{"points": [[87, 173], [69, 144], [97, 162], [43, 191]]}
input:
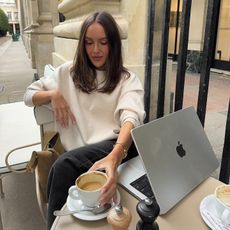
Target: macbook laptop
{"points": [[175, 156]]}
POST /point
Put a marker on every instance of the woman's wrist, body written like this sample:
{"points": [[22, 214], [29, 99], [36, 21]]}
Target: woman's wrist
{"points": [[118, 153], [124, 148], [43, 97]]}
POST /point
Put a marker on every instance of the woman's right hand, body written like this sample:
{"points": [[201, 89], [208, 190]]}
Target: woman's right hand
{"points": [[62, 111]]}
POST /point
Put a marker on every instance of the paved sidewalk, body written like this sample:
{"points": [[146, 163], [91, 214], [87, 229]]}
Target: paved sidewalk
{"points": [[217, 106], [4, 39], [15, 72], [218, 92], [19, 208]]}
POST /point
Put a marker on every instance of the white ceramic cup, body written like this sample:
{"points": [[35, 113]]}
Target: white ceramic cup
{"points": [[87, 188], [222, 193]]}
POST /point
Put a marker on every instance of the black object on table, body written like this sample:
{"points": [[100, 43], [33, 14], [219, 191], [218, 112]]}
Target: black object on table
{"points": [[148, 210]]}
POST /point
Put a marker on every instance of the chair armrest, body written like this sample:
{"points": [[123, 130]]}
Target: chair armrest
{"points": [[44, 114], [10, 168]]}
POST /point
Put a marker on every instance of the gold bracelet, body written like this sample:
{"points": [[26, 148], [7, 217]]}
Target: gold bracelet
{"points": [[125, 151]]}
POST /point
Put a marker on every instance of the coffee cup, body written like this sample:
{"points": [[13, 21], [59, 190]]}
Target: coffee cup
{"points": [[222, 194], [87, 188]]}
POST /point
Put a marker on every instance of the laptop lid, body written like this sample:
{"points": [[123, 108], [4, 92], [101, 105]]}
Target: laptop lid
{"points": [[176, 155]]}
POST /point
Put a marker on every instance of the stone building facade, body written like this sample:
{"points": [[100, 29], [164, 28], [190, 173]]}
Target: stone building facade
{"points": [[38, 18], [48, 40]]}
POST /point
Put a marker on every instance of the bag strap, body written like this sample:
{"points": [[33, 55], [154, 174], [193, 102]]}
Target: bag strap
{"points": [[47, 137], [51, 139], [11, 169]]}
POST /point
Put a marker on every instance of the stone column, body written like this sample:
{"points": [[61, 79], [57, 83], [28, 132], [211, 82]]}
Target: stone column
{"points": [[14, 30], [67, 33], [40, 18]]}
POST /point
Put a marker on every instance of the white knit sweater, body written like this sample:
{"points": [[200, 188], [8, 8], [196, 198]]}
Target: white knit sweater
{"points": [[99, 116]]}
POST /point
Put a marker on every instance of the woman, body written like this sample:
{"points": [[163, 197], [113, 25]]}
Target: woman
{"points": [[96, 102]]}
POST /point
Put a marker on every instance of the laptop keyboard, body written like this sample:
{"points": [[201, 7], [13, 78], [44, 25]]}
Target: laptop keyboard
{"points": [[142, 185]]}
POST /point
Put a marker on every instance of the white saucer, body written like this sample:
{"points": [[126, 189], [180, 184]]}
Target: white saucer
{"points": [[210, 210], [86, 215]]}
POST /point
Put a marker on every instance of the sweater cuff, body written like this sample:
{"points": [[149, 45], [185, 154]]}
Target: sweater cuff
{"points": [[129, 116], [28, 97]]}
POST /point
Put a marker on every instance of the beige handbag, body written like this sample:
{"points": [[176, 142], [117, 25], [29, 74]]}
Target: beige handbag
{"points": [[41, 161]]}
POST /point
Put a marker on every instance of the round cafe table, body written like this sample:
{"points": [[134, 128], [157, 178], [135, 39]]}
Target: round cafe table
{"points": [[185, 215]]}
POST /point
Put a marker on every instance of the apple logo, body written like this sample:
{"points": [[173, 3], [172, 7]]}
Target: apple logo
{"points": [[180, 150]]}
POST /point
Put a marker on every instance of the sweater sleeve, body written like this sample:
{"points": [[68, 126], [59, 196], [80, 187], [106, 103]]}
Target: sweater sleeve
{"points": [[48, 82], [131, 102]]}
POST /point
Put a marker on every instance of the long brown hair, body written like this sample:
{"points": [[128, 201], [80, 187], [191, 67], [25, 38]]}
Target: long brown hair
{"points": [[84, 72]]}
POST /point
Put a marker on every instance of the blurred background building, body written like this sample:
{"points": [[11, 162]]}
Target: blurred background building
{"points": [[11, 10]]}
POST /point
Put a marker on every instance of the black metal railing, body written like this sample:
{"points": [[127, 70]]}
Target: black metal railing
{"points": [[183, 47], [225, 160], [149, 57], [163, 59], [207, 57]]}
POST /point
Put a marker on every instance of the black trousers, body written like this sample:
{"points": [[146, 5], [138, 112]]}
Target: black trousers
{"points": [[69, 166]]}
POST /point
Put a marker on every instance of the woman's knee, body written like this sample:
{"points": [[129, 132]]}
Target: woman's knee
{"points": [[59, 165], [67, 165]]}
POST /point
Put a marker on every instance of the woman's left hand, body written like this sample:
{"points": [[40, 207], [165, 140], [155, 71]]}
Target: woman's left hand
{"points": [[108, 191], [112, 161]]}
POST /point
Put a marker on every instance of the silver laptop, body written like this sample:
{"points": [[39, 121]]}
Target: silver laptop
{"points": [[174, 153]]}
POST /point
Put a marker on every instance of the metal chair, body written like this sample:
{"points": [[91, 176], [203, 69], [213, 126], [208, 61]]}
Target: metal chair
{"points": [[44, 118]]}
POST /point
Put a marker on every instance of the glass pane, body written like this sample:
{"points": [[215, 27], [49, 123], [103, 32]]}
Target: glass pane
{"points": [[223, 34], [172, 27]]}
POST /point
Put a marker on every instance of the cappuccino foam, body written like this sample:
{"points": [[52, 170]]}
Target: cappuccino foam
{"points": [[91, 186]]}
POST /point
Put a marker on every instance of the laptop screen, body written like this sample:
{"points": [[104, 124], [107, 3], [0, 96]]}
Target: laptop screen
{"points": [[176, 155]]}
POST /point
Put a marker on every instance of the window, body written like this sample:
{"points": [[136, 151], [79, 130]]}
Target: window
{"points": [[9, 14], [16, 15], [223, 35]]}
